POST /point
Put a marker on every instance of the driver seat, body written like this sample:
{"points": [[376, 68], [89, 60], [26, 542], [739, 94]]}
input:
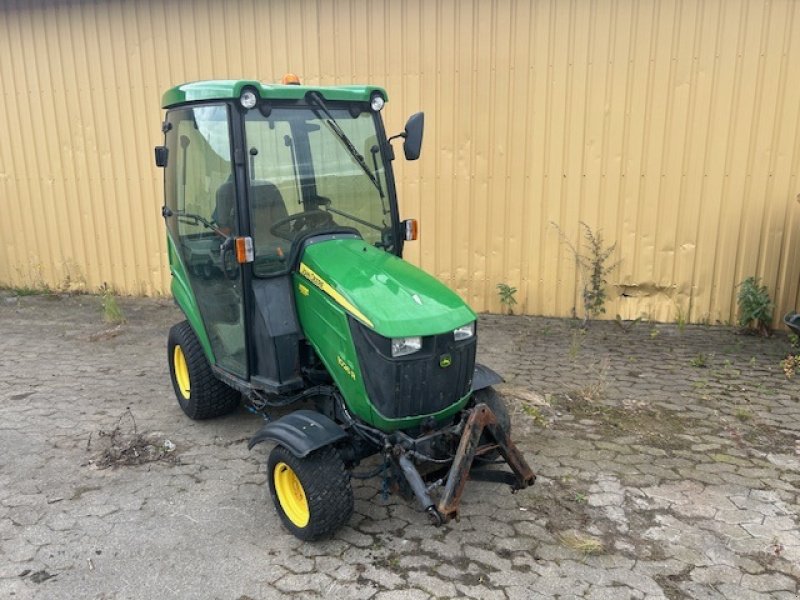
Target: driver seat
{"points": [[266, 208]]}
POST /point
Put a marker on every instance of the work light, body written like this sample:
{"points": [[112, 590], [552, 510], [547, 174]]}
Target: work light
{"points": [[248, 99], [376, 102]]}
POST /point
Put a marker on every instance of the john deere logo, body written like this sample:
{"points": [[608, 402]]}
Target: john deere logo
{"points": [[445, 360]]}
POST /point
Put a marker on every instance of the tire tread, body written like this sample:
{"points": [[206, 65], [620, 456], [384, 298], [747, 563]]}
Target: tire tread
{"points": [[209, 397], [326, 484]]}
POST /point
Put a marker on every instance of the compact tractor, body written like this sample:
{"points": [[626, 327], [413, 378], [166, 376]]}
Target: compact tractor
{"points": [[285, 247]]}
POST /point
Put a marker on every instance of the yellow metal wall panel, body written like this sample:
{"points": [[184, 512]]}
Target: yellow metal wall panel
{"points": [[671, 126]]}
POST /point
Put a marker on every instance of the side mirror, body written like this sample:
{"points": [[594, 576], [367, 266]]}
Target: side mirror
{"points": [[412, 144], [161, 156]]}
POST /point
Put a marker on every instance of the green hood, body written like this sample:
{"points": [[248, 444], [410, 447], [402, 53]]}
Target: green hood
{"points": [[392, 296]]}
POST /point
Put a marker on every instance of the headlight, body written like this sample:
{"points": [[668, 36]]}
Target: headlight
{"points": [[248, 99], [465, 332], [376, 102], [407, 345]]}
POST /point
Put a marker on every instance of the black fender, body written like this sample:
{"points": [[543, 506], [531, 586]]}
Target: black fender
{"points": [[301, 432], [484, 377]]}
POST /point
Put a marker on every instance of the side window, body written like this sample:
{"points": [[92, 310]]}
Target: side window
{"points": [[199, 179], [200, 192]]}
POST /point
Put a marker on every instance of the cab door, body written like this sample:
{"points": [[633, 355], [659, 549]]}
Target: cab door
{"points": [[201, 215]]}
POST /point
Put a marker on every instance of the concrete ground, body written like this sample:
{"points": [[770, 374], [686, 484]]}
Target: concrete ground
{"points": [[668, 467]]}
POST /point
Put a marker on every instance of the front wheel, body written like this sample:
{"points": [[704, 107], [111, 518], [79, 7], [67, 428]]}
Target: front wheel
{"points": [[312, 495], [200, 394]]}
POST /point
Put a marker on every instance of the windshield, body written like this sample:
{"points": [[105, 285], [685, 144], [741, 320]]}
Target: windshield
{"points": [[314, 170]]}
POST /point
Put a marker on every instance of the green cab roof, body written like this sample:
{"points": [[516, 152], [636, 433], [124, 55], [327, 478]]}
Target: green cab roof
{"points": [[226, 89]]}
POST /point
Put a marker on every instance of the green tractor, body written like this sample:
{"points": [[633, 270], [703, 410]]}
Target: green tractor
{"points": [[285, 245]]}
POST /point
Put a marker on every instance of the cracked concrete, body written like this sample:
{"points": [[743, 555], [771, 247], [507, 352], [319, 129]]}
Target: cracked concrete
{"points": [[658, 478]]}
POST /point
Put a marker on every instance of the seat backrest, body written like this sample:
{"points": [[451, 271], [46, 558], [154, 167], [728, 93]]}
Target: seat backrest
{"points": [[266, 208], [226, 201]]}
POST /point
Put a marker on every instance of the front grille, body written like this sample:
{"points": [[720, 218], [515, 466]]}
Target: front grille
{"points": [[417, 384]]}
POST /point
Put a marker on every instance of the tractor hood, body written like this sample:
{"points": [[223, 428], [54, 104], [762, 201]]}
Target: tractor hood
{"points": [[392, 296]]}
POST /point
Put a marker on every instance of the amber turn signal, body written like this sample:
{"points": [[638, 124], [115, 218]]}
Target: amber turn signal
{"points": [[412, 231], [244, 250]]}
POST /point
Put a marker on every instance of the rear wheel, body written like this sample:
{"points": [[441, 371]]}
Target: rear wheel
{"points": [[200, 394], [312, 495]]}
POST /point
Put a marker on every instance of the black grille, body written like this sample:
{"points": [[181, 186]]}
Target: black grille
{"points": [[417, 384]]}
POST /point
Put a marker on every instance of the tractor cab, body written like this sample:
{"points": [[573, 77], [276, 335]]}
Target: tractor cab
{"points": [[253, 174], [285, 247]]}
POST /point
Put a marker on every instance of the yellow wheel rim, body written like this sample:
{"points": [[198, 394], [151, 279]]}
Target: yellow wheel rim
{"points": [[291, 495], [181, 372]]}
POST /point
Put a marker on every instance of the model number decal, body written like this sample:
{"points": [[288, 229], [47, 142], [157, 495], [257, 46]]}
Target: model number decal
{"points": [[346, 368]]}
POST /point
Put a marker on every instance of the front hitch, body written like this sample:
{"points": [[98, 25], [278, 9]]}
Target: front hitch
{"points": [[481, 418]]}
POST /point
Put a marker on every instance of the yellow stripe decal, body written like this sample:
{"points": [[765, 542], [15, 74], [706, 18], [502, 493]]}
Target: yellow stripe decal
{"points": [[318, 281]]}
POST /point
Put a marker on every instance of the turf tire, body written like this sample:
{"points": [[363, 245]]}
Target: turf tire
{"points": [[208, 396], [326, 485]]}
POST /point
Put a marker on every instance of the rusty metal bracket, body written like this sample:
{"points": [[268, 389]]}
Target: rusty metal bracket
{"points": [[481, 418]]}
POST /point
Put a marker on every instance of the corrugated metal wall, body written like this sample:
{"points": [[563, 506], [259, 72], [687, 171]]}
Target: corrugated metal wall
{"points": [[671, 126]]}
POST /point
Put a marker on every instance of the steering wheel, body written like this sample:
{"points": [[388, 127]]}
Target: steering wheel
{"points": [[278, 227]]}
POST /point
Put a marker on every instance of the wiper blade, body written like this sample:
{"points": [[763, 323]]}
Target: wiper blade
{"points": [[333, 125]]}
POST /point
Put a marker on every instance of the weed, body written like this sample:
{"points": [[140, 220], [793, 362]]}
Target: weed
{"points": [[700, 361], [595, 390], [626, 326], [580, 498], [790, 365], [743, 415], [755, 307], [654, 333], [593, 268], [535, 414], [30, 291], [582, 543], [794, 340], [575, 343], [73, 281], [680, 318], [507, 299], [112, 312], [33, 279]]}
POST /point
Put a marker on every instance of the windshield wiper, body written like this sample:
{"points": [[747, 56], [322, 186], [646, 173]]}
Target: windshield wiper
{"points": [[333, 125]]}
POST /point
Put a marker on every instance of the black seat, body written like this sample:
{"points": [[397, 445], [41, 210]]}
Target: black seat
{"points": [[267, 207]]}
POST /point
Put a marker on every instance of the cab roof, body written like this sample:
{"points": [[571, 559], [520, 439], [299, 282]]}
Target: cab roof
{"points": [[226, 89]]}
